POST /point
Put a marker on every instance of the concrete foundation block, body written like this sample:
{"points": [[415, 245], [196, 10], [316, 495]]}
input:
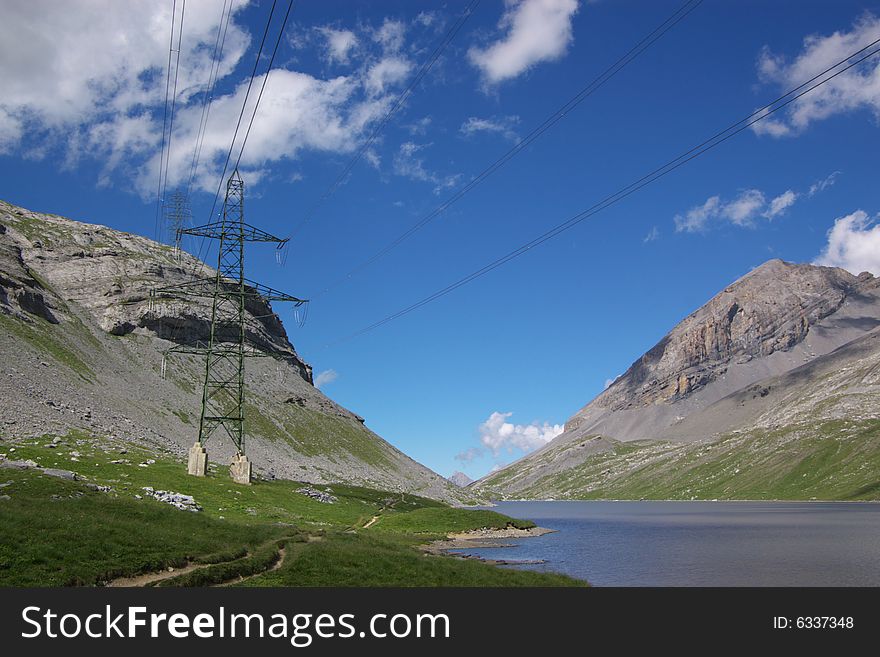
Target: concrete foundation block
{"points": [[197, 465], [240, 469]]}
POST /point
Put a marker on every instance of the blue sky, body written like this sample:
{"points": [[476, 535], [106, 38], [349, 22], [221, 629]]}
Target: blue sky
{"points": [[494, 369]]}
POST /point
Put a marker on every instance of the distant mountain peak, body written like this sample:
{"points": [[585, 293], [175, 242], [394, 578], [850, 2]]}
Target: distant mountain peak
{"points": [[769, 309]]}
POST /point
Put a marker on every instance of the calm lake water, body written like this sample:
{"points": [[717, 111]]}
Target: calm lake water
{"points": [[702, 543]]}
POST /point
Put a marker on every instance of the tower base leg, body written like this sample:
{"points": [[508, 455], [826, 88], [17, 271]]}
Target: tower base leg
{"points": [[197, 465], [240, 469]]}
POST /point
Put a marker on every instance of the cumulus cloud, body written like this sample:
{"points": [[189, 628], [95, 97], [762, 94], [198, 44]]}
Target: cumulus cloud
{"points": [[497, 434], [502, 125], [325, 377], [535, 31], [55, 81], [741, 211], [858, 88], [339, 44], [825, 183], [58, 91], [853, 244]]}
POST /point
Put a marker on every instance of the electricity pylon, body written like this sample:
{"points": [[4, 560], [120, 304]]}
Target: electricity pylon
{"points": [[223, 390], [178, 217]]}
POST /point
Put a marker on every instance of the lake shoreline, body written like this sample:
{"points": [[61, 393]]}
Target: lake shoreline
{"points": [[485, 538]]}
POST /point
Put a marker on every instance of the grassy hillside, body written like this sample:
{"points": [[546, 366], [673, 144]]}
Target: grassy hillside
{"points": [[832, 460], [56, 532]]}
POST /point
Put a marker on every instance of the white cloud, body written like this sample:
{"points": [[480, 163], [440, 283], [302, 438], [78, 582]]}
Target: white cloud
{"points": [[825, 183], [387, 72], [741, 211], [391, 35], [853, 244], [780, 204], [744, 208], [427, 18], [696, 219], [339, 44], [858, 88], [502, 125], [410, 164], [419, 126], [325, 377], [536, 31], [89, 76], [469, 455], [653, 235], [497, 434], [63, 66]]}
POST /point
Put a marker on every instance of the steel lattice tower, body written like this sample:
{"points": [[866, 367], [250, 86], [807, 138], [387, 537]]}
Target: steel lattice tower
{"points": [[178, 217], [223, 391]]}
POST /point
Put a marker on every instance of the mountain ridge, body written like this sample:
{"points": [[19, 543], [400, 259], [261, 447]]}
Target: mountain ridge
{"points": [[82, 345]]}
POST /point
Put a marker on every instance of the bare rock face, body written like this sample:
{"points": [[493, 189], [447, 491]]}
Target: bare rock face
{"points": [[770, 309], [460, 479], [111, 273]]}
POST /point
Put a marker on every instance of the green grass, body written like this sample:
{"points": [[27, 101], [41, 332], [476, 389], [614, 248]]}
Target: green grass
{"points": [[426, 521], [388, 560], [57, 532], [832, 460], [315, 434]]}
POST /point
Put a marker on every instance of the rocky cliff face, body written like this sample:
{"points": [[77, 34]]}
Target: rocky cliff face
{"points": [[81, 345], [768, 310], [778, 319]]}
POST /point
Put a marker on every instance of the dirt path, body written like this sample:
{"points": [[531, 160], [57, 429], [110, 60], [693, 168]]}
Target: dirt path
{"points": [[372, 521], [282, 553], [149, 578]]}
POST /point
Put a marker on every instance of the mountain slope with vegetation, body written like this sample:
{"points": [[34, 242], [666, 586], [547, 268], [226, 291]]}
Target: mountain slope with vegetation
{"points": [[81, 342], [769, 391]]}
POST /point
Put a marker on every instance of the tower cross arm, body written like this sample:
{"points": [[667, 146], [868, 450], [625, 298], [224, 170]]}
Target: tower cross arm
{"points": [[218, 229], [207, 287]]}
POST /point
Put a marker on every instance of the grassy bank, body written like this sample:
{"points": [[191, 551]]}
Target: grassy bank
{"points": [[832, 460], [56, 532]]}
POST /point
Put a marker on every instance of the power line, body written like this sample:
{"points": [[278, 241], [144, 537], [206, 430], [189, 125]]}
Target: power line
{"points": [[199, 265], [716, 140], [173, 102], [423, 71], [263, 86], [243, 106], [208, 98], [640, 47], [164, 122]]}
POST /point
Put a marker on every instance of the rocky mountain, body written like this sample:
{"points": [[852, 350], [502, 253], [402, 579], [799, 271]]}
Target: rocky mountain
{"points": [[772, 363], [460, 479], [81, 343]]}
